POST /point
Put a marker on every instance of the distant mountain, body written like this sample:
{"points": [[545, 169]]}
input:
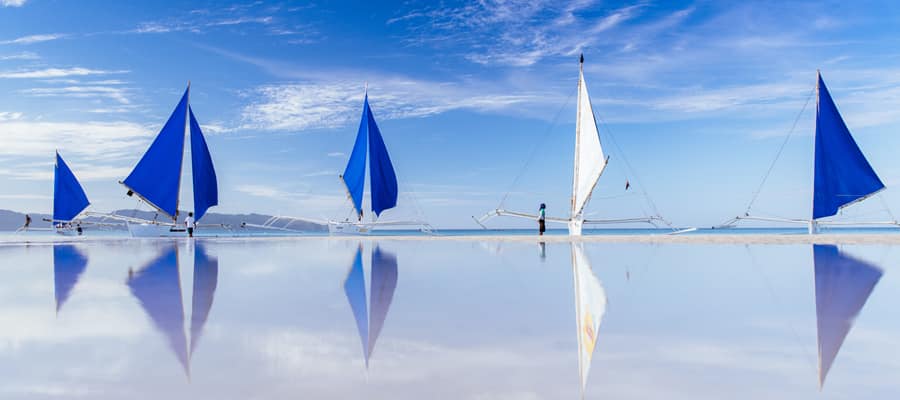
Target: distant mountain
{"points": [[12, 220]]}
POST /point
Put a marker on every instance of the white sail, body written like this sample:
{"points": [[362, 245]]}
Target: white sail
{"points": [[589, 158], [590, 305]]}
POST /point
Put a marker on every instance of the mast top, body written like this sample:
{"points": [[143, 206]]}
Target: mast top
{"points": [[581, 59]]}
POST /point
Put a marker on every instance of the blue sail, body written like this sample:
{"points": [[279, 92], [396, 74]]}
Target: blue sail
{"points": [[157, 287], [842, 173], [355, 289], [157, 176], [68, 265], [843, 284], [381, 171], [381, 293], [206, 278], [69, 199], [354, 175], [206, 189]]}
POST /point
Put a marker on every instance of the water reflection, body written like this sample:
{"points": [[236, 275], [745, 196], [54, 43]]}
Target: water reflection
{"points": [[206, 278], [843, 285], [68, 265], [590, 305], [157, 286], [370, 321]]}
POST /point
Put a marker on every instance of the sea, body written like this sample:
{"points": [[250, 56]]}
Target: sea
{"points": [[239, 317]]}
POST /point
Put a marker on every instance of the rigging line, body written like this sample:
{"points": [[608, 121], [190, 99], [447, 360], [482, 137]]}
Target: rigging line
{"points": [[886, 208], [780, 150], [535, 149], [630, 169]]}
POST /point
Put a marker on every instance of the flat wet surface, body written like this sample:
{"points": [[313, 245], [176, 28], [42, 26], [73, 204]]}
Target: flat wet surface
{"points": [[394, 319]]}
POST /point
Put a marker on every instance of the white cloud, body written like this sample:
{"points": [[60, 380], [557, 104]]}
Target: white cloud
{"points": [[55, 73], [12, 3], [89, 140], [336, 154], [34, 38], [9, 115]]}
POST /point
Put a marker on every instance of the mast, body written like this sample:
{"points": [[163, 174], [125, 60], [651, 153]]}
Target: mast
{"points": [[577, 136], [184, 138]]}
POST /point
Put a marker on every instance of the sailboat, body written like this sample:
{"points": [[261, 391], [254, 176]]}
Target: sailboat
{"points": [[382, 179], [842, 174], [157, 286], [590, 305], [156, 179], [69, 199], [370, 319], [590, 161], [843, 285]]}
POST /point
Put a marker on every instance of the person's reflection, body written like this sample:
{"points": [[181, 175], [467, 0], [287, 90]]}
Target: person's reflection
{"points": [[590, 305], [542, 250], [158, 288], [843, 284], [68, 265], [370, 320]]}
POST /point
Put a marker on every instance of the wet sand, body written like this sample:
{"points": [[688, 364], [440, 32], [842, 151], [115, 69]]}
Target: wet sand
{"points": [[725, 239]]}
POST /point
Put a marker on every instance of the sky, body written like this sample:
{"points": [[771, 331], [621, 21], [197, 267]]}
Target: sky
{"points": [[476, 101]]}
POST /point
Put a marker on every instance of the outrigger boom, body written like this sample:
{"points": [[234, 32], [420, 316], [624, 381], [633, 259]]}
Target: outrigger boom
{"points": [[653, 220]]}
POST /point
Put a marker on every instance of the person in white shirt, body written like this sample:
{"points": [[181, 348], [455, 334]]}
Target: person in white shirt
{"points": [[190, 224]]}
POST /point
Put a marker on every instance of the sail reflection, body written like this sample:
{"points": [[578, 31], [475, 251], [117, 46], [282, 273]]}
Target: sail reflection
{"points": [[370, 320], [68, 265], [206, 278], [843, 285], [590, 305], [157, 286]]}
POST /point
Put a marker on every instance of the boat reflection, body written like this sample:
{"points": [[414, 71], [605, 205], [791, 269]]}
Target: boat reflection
{"points": [[370, 320], [843, 285], [157, 286], [590, 305], [68, 265]]}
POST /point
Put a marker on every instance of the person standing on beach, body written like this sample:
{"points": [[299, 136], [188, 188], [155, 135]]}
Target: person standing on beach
{"points": [[27, 221], [189, 224], [542, 212]]}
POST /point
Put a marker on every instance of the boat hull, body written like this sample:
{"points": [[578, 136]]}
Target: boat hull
{"points": [[154, 230], [575, 226], [348, 228]]}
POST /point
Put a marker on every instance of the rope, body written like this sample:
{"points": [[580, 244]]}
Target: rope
{"points": [[631, 170], [778, 154], [535, 149]]}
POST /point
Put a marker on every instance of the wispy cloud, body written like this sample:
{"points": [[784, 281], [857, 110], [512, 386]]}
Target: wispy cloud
{"points": [[514, 33], [336, 154], [55, 73], [12, 3], [117, 94], [34, 38], [26, 55], [332, 104]]}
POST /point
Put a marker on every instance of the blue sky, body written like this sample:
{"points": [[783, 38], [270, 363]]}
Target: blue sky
{"points": [[475, 100]]}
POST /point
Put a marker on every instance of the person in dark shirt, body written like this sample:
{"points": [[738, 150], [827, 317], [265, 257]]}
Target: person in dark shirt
{"points": [[542, 213]]}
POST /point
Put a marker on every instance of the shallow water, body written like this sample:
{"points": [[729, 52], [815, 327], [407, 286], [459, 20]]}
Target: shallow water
{"points": [[475, 320]]}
